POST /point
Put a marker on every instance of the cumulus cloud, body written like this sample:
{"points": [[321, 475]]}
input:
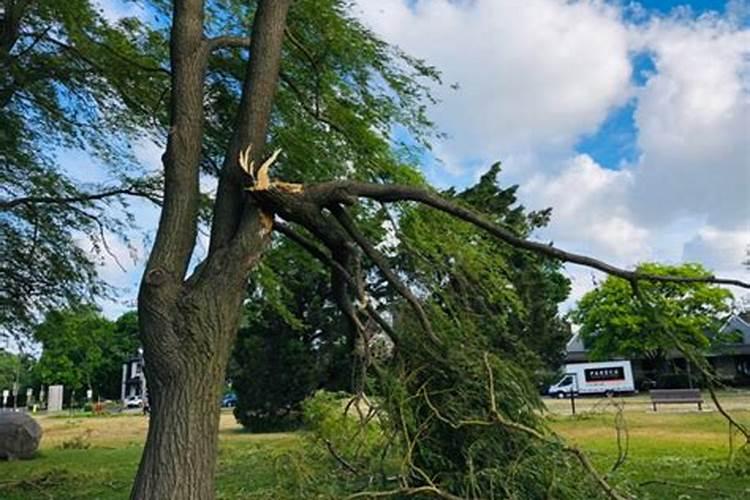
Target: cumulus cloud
{"points": [[693, 118], [531, 75], [590, 212]]}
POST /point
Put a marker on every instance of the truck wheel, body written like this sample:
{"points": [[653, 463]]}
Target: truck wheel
{"points": [[560, 395]]}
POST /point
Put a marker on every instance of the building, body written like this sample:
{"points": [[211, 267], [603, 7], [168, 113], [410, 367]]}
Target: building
{"points": [[133, 377], [730, 358]]}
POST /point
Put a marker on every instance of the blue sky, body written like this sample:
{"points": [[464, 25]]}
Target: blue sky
{"points": [[629, 120]]}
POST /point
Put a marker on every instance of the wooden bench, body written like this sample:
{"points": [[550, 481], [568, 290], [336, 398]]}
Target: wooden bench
{"points": [[671, 396]]}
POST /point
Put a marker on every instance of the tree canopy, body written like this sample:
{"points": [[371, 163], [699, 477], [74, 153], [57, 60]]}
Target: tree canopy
{"points": [[663, 316], [83, 350], [69, 81]]}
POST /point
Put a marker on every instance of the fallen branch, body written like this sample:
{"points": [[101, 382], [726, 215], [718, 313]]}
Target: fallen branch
{"points": [[347, 192], [380, 261], [496, 418]]}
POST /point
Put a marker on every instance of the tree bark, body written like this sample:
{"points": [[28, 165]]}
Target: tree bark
{"points": [[180, 455], [188, 325]]}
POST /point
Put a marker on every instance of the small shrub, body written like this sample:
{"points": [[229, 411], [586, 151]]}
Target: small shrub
{"points": [[80, 442]]}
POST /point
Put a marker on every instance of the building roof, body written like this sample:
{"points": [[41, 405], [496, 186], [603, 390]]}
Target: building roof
{"points": [[575, 344], [576, 351], [738, 324]]}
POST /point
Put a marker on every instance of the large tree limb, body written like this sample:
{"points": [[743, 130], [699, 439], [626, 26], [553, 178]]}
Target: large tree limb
{"points": [[178, 226], [330, 194], [231, 209]]}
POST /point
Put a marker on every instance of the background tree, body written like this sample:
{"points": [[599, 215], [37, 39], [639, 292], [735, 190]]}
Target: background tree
{"points": [[68, 80], [16, 368], [116, 349], [665, 317], [82, 350], [293, 341]]}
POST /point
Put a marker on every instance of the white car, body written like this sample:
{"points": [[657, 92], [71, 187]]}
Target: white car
{"points": [[133, 402]]}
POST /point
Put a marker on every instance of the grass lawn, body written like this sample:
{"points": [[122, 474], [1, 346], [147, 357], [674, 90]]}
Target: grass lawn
{"points": [[97, 457]]}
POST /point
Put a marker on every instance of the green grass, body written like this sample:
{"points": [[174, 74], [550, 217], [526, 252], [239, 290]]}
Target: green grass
{"points": [[668, 453], [688, 450]]}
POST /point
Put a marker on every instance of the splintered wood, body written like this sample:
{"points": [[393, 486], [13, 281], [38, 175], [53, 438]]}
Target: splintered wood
{"points": [[261, 179]]}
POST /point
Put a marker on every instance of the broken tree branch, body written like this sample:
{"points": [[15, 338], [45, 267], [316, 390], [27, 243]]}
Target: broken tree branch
{"points": [[330, 194], [380, 261], [328, 261]]}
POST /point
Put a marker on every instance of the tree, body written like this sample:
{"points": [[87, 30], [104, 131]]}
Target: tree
{"points": [[665, 316], [15, 369], [292, 341], [345, 89], [68, 80], [83, 350], [116, 349]]}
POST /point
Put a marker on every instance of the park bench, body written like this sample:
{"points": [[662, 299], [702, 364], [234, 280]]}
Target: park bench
{"points": [[671, 396]]}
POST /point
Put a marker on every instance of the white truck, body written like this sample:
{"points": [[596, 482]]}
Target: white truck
{"points": [[607, 377]]}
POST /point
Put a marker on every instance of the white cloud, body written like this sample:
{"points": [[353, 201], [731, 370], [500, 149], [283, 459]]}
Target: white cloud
{"points": [[532, 75], [718, 249], [693, 119], [590, 212]]}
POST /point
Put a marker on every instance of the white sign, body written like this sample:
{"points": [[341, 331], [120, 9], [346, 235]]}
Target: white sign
{"points": [[89, 394], [55, 398], [5, 396]]}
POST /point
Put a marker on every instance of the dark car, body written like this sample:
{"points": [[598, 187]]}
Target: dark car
{"points": [[229, 401]]}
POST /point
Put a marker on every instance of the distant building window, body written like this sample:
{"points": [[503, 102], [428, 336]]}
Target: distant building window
{"points": [[604, 374]]}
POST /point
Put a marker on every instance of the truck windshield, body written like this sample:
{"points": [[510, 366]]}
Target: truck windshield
{"points": [[565, 381]]}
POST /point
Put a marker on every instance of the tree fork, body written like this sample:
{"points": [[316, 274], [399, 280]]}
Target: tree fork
{"points": [[188, 325]]}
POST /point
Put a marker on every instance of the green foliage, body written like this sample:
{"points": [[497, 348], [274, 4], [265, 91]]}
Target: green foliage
{"points": [[341, 94], [68, 80], [508, 295], [615, 321], [292, 341], [15, 368], [81, 349], [352, 430], [440, 402]]}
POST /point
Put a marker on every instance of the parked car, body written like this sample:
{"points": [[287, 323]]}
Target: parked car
{"points": [[133, 402], [229, 401]]}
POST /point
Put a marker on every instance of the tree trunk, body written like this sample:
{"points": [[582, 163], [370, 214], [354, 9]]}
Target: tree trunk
{"points": [[188, 326], [186, 355], [179, 459]]}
